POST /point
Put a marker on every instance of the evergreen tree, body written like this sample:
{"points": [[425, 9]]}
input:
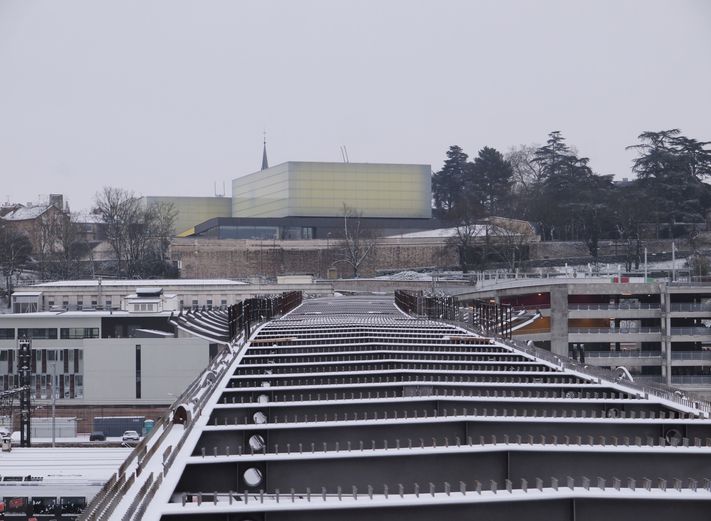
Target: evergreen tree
{"points": [[490, 182], [448, 183], [670, 169]]}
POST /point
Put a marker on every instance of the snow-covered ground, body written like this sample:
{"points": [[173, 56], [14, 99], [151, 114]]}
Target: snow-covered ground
{"points": [[79, 438], [603, 269]]}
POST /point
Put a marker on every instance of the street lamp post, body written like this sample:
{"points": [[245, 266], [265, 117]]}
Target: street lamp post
{"points": [[54, 399], [328, 253]]}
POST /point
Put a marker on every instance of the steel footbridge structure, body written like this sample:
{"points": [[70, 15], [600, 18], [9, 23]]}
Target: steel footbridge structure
{"points": [[348, 408]]}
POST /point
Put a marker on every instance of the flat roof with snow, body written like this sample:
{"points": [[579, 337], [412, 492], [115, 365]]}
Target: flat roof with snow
{"points": [[139, 283]]}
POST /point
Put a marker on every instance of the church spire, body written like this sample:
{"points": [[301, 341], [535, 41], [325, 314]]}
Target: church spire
{"points": [[265, 163]]}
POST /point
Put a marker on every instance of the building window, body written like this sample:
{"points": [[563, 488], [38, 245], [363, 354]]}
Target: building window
{"points": [[7, 333], [80, 304], [195, 304], [79, 383], [49, 333], [108, 304], [73, 333], [223, 302], [138, 371], [209, 303]]}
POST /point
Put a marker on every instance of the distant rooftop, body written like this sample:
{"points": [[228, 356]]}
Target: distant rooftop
{"points": [[26, 213], [139, 283], [478, 230], [86, 313]]}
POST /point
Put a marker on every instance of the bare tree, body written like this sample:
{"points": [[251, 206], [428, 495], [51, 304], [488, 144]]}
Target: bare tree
{"points": [[510, 241], [15, 251], [139, 234], [502, 240], [526, 172], [46, 236], [358, 242], [163, 216], [466, 234], [67, 259], [117, 208]]}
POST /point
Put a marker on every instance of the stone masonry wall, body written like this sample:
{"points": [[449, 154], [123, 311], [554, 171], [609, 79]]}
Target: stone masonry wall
{"points": [[205, 258]]}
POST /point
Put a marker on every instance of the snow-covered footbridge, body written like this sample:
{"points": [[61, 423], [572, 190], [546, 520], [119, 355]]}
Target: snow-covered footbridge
{"points": [[347, 408]]}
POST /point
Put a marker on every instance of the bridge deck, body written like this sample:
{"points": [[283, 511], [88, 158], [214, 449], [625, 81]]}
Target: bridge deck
{"points": [[348, 408]]}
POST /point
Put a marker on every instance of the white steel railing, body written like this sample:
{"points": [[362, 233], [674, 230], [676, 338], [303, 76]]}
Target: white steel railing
{"points": [[689, 306], [691, 331], [614, 331], [692, 379], [605, 307], [623, 354], [691, 355]]}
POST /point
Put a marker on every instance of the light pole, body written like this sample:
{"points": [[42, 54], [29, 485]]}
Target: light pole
{"points": [[328, 253], [54, 398]]}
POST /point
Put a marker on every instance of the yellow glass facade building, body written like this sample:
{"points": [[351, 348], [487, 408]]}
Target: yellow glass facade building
{"points": [[311, 189], [193, 210]]}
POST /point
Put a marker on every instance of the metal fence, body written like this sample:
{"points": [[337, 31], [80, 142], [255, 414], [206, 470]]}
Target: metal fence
{"points": [[241, 316]]}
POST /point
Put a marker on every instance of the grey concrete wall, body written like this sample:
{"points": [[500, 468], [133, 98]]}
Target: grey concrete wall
{"points": [[168, 365]]}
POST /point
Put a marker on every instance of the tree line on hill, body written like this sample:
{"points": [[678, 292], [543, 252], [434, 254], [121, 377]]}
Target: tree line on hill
{"points": [[557, 190]]}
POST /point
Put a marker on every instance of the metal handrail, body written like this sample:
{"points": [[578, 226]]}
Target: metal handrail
{"points": [[614, 331], [691, 379], [613, 307], [691, 355], [684, 306], [623, 354], [691, 331]]}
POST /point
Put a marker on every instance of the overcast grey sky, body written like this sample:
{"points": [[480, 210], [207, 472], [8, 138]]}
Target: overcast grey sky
{"points": [[167, 97]]}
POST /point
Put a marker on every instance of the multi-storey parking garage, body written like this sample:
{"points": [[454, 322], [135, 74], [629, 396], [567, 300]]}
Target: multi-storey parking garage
{"points": [[347, 408]]}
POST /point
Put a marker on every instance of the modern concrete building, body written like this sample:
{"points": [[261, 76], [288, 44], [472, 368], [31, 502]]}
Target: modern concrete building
{"points": [[104, 363], [659, 331], [132, 361]]}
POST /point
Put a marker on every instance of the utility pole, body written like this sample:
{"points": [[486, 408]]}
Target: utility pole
{"points": [[54, 400], [645, 264], [24, 366]]}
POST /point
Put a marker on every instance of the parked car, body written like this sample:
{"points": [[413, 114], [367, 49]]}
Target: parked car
{"points": [[97, 436], [130, 436]]}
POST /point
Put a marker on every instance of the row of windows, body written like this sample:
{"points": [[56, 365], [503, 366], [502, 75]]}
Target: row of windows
{"points": [[69, 360], [71, 333], [208, 304], [50, 333], [44, 505], [66, 386], [80, 304]]}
